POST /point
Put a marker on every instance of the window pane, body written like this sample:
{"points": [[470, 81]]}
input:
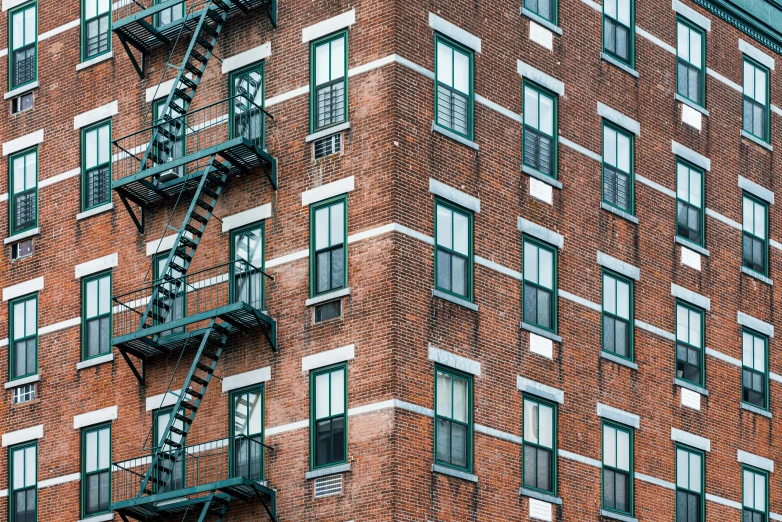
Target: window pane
{"points": [[18, 29], [444, 64], [92, 298], [546, 427], [18, 469], [530, 262], [322, 395], [623, 299], [760, 492], [531, 107], [338, 392], [18, 321], [91, 148], [682, 472], [682, 42], [460, 233], [695, 472], [18, 168], [609, 294], [749, 80], [461, 72], [29, 466], [531, 421], [443, 394], [759, 359], [623, 450], [623, 152], [547, 115], [609, 446], [444, 227], [104, 146], [30, 317], [682, 327], [321, 64], [91, 448], [610, 8], [695, 49], [337, 58], [624, 11], [760, 86], [695, 188], [29, 26], [747, 349], [695, 329], [337, 224], [760, 221], [609, 146], [443, 440], [29, 169], [682, 181], [105, 295], [749, 489], [546, 269], [321, 228], [460, 400]]}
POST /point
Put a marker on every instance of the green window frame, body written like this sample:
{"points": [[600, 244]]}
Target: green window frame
{"points": [[690, 187], [618, 168], [690, 484], [454, 96], [96, 470], [690, 343], [617, 468], [754, 369], [177, 310], [23, 207], [96, 323], [247, 265], [328, 245], [178, 479], [539, 464], [690, 62], [95, 28], [756, 96], [23, 335], [540, 141], [168, 15], [96, 165], [453, 425], [618, 323], [247, 433], [546, 9], [328, 81], [328, 416], [754, 225], [23, 45], [247, 103], [619, 30], [539, 293], [453, 251], [23, 478], [754, 494]]}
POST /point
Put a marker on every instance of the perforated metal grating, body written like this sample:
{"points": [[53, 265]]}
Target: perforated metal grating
{"points": [[328, 486]]}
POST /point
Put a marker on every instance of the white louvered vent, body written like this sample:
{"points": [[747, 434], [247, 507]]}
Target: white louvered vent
{"points": [[328, 486]]}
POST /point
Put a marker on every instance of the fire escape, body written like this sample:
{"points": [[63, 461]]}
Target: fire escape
{"points": [[185, 157]]}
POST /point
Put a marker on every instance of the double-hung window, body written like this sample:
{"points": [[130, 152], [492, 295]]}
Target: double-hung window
{"points": [[23, 497], [169, 14], [96, 30], [328, 245], [689, 203], [617, 315], [689, 485], [175, 478], [540, 130], [247, 433], [247, 267], [754, 237], [453, 250], [689, 343], [540, 443], [617, 468], [754, 371], [24, 191], [546, 9], [756, 99], [247, 103], [540, 285], [690, 62], [96, 176], [24, 45], [96, 326], [329, 426], [618, 30], [96, 470], [24, 336], [453, 87], [453, 419], [329, 78], [617, 168], [754, 495]]}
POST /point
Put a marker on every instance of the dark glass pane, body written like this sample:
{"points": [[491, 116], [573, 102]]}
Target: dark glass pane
{"points": [[530, 304], [759, 121], [681, 506], [459, 275], [681, 78], [337, 268], [443, 440], [609, 496], [693, 508], [544, 469], [622, 340], [93, 337], [337, 439], [443, 270], [323, 272], [93, 493], [622, 492], [609, 334], [530, 466], [622, 43], [323, 442], [747, 114], [610, 37], [544, 308]]}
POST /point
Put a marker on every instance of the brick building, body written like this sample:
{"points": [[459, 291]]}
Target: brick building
{"points": [[464, 261]]}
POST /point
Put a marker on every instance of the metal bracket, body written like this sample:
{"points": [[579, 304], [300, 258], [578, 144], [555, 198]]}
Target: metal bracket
{"points": [[136, 221], [140, 69], [268, 511], [140, 376]]}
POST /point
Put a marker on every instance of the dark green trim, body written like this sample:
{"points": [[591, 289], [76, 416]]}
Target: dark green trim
{"points": [[553, 449], [313, 101], [96, 127], [156, 17], [554, 20], [756, 471], [11, 205], [702, 492], [697, 29], [439, 202], [554, 280], [702, 349], [630, 36], [702, 207], [764, 338], [257, 66], [232, 268], [767, 105], [763, 204], [631, 472], [260, 388], [11, 489], [554, 126], [29, 5], [759, 19], [343, 198], [313, 402], [470, 420], [631, 311], [11, 341], [83, 484], [84, 318], [439, 38], [83, 24], [631, 174]]}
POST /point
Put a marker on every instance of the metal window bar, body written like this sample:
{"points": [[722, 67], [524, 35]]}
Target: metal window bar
{"points": [[24, 210], [24, 65], [453, 109], [537, 150], [97, 36], [616, 188], [331, 102], [97, 188]]}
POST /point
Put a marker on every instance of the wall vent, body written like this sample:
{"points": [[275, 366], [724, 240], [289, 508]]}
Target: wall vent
{"points": [[328, 486]]}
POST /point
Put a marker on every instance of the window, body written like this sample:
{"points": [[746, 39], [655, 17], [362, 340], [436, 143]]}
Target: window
{"points": [[754, 372], [169, 14], [24, 483], [24, 393], [618, 30], [95, 33], [24, 190], [689, 344], [169, 308], [453, 419], [24, 45], [247, 433], [95, 466], [755, 493], [22, 249], [690, 62], [546, 9], [453, 253], [754, 244], [96, 173], [24, 336], [689, 203], [171, 143], [246, 103], [328, 431], [22, 103], [617, 315], [329, 249], [96, 326], [617, 468], [617, 168], [453, 87], [540, 134], [689, 485], [176, 478], [540, 461], [328, 102], [756, 99], [247, 267], [540, 283]]}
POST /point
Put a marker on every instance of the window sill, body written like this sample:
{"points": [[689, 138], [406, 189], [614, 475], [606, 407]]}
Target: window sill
{"points": [[444, 470], [105, 517], [692, 387], [95, 361], [691, 104], [621, 213], [692, 246], [541, 177], [759, 277], [453, 299], [618, 360], [22, 235], [95, 211], [756, 140], [454, 136], [21, 90], [755, 409], [328, 131], [551, 499], [331, 296], [616, 63], [331, 470], [617, 516], [98, 59], [21, 382], [541, 21], [541, 332]]}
